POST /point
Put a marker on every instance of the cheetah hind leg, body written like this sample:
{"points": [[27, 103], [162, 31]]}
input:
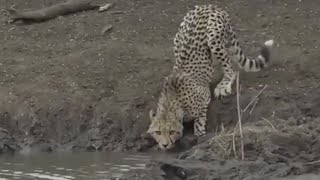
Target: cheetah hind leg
{"points": [[224, 87]]}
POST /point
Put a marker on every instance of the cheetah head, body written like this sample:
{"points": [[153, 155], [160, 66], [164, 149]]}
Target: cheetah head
{"points": [[166, 129]]}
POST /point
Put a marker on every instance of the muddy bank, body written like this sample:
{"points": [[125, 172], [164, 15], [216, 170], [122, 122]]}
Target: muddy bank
{"points": [[272, 151], [64, 125], [219, 169]]}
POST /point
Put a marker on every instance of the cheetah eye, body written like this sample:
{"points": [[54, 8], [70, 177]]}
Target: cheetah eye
{"points": [[158, 132], [172, 132]]}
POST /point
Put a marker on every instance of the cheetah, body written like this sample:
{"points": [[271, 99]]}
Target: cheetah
{"points": [[204, 37]]}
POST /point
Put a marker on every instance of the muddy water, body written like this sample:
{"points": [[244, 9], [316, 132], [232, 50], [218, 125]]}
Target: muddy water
{"points": [[68, 166]]}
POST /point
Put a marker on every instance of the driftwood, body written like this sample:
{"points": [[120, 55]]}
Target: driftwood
{"points": [[106, 29], [106, 7], [67, 7]]}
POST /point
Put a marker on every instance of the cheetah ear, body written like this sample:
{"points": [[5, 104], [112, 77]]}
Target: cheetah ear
{"points": [[165, 81], [180, 114], [151, 115]]}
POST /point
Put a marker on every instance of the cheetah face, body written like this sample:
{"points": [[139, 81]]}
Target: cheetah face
{"points": [[165, 130]]}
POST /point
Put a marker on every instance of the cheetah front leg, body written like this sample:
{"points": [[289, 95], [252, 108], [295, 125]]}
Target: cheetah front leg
{"points": [[224, 87], [200, 125], [204, 98]]}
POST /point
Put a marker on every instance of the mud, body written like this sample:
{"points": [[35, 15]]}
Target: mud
{"points": [[66, 87]]}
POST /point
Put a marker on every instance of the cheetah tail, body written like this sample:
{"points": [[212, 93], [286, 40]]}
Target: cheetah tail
{"points": [[254, 65]]}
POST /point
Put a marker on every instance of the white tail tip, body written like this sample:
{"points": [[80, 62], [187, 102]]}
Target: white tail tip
{"points": [[269, 43]]}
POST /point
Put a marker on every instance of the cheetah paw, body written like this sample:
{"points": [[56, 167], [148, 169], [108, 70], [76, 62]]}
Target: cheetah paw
{"points": [[200, 133], [222, 89]]}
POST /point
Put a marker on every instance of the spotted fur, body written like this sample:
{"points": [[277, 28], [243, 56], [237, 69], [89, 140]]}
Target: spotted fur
{"points": [[204, 36]]}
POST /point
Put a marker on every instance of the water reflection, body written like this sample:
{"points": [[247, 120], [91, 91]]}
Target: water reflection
{"points": [[69, 166]]}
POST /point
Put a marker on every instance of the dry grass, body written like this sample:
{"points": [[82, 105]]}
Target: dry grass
{"points": [[226, 141]]}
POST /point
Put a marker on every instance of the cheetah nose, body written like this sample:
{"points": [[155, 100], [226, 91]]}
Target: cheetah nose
{"points": [[164, 145]]}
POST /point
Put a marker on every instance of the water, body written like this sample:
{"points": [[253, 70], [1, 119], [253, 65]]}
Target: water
{"points": [[69, 166]]}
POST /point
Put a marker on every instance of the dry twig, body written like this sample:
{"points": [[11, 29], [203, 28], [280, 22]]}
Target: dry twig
{"points": [[312, 162], [116, 12], [106, 29], [239, 116], [253, 100], [253, 106], [234, 141], [269, 123]]}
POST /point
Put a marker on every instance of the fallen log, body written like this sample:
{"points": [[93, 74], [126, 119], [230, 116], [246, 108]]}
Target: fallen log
{"points": [[64, 8], [106, 7]]}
